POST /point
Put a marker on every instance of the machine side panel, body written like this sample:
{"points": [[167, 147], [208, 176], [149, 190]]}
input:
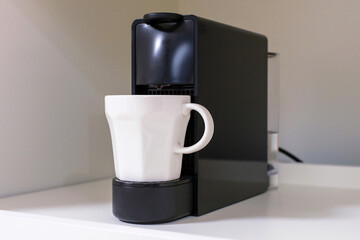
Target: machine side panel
{"points": [[232, 84]]}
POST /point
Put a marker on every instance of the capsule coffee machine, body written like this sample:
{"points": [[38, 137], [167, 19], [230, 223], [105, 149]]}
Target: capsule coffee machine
{"points": [[224, 69]]}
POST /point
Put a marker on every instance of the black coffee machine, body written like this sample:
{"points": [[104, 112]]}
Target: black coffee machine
{"points": [[224, 69]]}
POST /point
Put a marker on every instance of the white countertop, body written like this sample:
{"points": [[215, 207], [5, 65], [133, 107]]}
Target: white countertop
{"points": [[293, 211]]}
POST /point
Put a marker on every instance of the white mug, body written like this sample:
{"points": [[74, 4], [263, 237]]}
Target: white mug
{"points": [[148, 134]]}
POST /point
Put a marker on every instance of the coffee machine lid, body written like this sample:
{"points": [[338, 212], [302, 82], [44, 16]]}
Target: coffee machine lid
{"points": [[162, 17]]}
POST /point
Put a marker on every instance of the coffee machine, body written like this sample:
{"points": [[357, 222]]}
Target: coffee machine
{"points": [[223, 68]]}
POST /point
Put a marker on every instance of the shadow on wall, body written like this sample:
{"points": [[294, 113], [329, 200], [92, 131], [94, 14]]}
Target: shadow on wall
{"points": [[99, 151]]}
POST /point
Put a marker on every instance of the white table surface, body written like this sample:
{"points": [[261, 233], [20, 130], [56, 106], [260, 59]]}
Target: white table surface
{"points": [[293, 211]]}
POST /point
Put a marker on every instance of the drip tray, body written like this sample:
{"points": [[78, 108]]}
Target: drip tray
{"points": [[152, 202]]}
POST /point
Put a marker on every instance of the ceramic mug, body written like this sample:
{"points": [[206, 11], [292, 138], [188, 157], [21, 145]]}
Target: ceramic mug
{"points": [[148, 134]]}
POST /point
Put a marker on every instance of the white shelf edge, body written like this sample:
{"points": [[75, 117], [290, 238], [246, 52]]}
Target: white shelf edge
{"points": [[318, 175], [60, 228]]}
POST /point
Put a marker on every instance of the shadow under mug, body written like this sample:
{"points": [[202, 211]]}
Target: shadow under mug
{"points": [[148, 134]]}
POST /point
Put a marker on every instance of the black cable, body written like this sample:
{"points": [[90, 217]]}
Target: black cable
{"points": [[290, 155]]}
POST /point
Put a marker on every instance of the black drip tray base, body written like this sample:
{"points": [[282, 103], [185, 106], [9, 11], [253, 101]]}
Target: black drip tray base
{"points": [[152, 202]]}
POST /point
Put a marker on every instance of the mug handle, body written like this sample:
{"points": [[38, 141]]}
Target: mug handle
{"points": [[208, 132]]}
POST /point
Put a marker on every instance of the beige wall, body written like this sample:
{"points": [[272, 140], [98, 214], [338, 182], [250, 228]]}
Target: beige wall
{"points": [[319, 44], [59, 58]]}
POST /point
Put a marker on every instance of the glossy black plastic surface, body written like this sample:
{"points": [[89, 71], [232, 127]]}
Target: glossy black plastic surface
{"points": [[232, 84], [152, 202], [164, 53], [162, 17]]}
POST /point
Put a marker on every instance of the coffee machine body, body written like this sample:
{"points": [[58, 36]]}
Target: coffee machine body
{"points": [[224, 69]]}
